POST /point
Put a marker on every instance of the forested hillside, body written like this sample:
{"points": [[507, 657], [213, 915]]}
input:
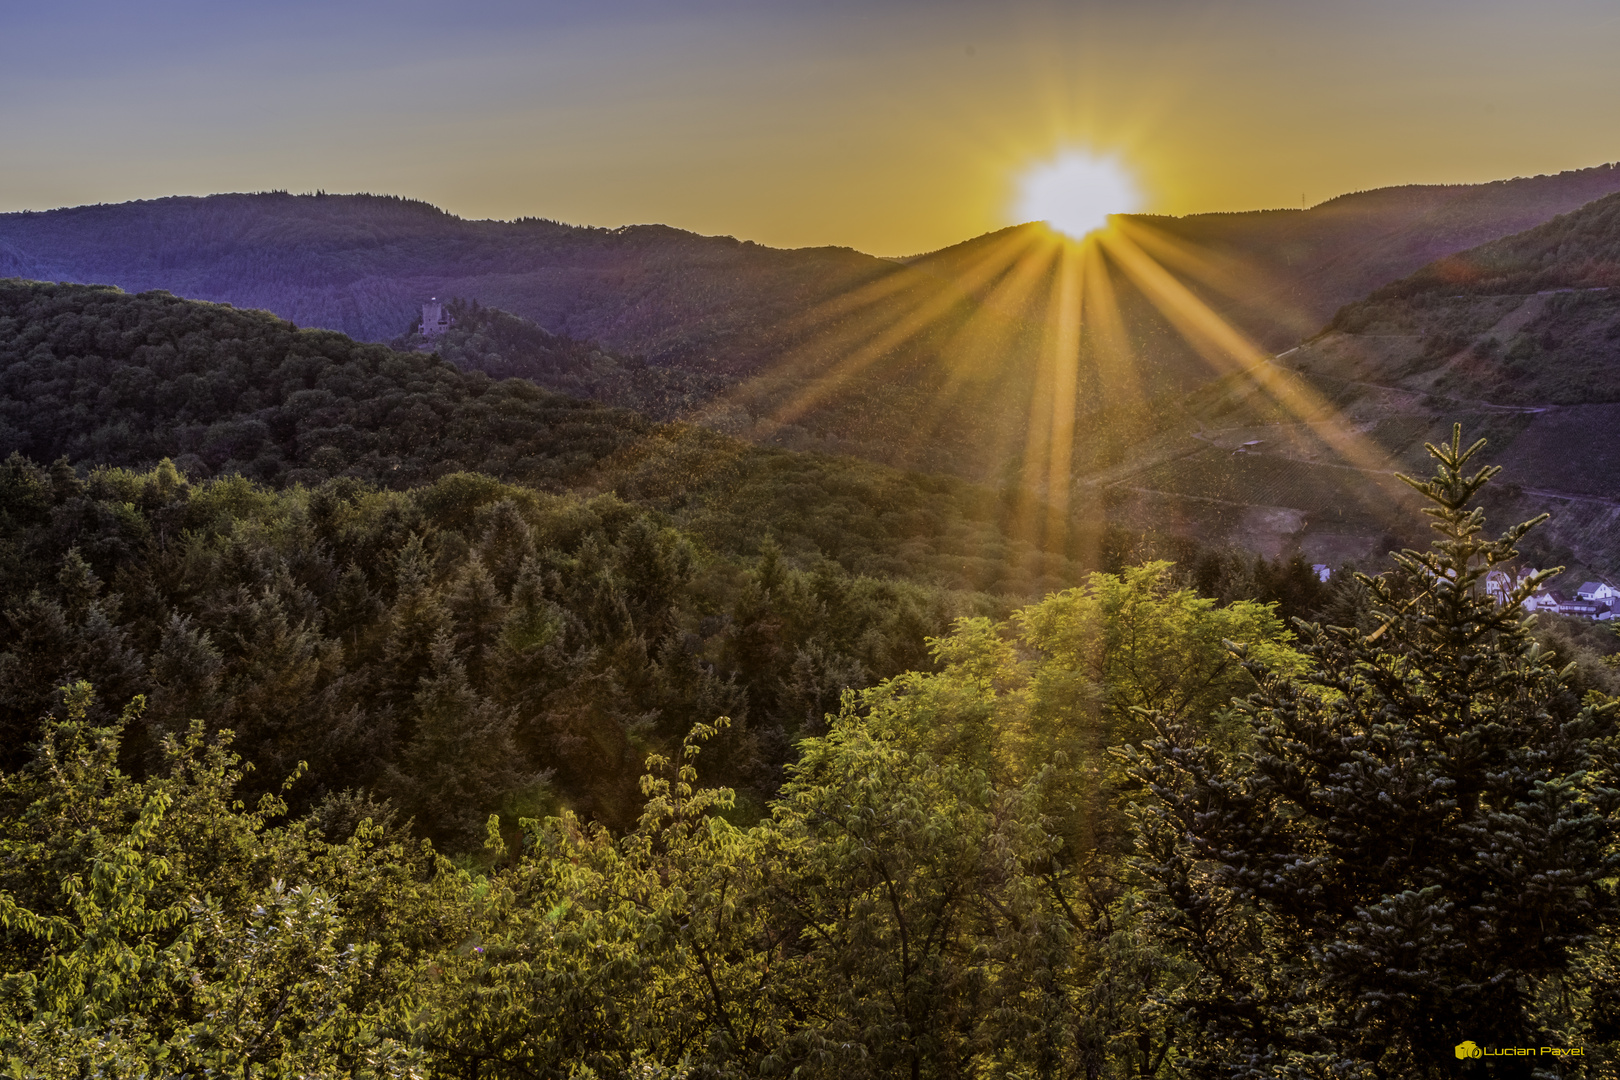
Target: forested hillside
{"points": [[363, 264], [331, 527], [105, 378], [1305, 265], [364, 714], [1527, 321], [1579, 250], [357, 546], [300, 535], [461, 648], [500, 344]]}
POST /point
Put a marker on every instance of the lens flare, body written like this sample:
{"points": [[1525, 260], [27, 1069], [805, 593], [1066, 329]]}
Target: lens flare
{"points": [[1032, 344], [1076, 191]]}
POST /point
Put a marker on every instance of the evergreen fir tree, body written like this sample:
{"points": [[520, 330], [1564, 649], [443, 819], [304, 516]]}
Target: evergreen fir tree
{"points": [[479, 612], [460, 759], [185, 675], [1421, 842]]}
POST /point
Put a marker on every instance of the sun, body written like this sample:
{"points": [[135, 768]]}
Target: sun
{"points": [[1075, 192]]}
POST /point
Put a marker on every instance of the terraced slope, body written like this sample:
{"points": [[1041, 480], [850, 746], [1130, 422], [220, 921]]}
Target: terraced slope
{"points": [[1518, 339]]}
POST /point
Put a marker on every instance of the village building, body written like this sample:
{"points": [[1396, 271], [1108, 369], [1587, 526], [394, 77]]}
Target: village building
{"points": [[1543, 600], [1498, 585], [1581, 609], [1598, 590], [1593, 600]]}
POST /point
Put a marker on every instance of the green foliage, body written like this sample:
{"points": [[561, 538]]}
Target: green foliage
{"points": [[925, 936], [94, 377], [887, 918], [954, 839], [1404, 838], [920, 899], [149, 926], [111, 379], [1420, 848]]}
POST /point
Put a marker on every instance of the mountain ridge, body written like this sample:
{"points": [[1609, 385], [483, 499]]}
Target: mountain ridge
{"points": [[923, 365]]}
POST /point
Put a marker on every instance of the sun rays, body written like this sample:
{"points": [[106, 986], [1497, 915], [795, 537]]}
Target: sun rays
{"points": [[1023, 340]]}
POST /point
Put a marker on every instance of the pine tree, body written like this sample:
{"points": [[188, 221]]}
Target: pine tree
{"points": [[185, 675], [415, 621], [460, 759], [1418, 844], [479, 611]]}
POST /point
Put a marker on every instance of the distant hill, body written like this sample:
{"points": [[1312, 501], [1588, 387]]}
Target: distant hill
{"points": [[933, 363], [362, 265], [1518, 338], [1579, 250], [1309, 263]]}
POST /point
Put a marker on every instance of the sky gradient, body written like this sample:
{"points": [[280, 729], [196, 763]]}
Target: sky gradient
{"points": [[893, 126]]}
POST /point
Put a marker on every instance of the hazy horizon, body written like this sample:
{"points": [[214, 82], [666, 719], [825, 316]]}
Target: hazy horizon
{"points": [[893, 128]]}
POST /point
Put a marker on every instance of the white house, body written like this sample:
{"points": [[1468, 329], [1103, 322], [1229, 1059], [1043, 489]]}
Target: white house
{"points": [[1579, 606], [1597, 590], [1498, 585], [1542, 600]]}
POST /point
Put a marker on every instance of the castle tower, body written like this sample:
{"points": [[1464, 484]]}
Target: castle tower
{"points": [[434, 319]]}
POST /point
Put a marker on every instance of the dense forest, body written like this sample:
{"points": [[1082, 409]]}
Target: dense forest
{"points": [[622, 590], [104, 378], [1121, 831], [505, 346]]}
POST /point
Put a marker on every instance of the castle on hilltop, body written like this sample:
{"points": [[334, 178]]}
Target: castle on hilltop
{"points": [[435, 320]]}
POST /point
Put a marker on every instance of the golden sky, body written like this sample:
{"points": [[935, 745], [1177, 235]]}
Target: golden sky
{"points": [[893, 126]]}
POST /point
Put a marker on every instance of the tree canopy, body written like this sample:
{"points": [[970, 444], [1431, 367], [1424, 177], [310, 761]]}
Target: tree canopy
{"points": [[332, 774]]}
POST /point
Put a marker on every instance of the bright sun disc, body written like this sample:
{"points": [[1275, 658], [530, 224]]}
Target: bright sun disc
{"points": [[1075, 192]]}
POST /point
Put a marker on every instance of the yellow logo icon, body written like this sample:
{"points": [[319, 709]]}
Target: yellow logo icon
{"points": [[1467, 1049]]}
